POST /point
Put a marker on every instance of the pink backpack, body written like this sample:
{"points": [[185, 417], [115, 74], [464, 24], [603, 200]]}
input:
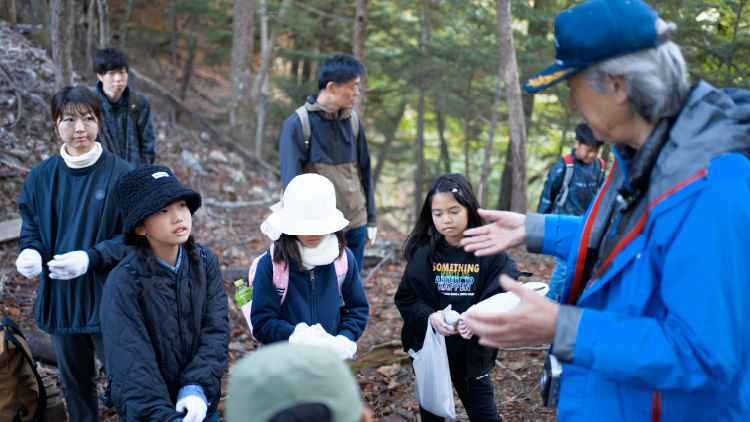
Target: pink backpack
{"points": [[281, 279]]}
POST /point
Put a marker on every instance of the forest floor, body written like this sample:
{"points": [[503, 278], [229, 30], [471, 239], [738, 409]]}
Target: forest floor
{"points": [[236, 200]]}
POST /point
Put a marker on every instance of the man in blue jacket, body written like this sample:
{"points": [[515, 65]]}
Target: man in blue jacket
{"points": [[654, 322], [325, 137], [569, 189]]}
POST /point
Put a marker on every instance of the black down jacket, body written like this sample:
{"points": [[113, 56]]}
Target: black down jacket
{"points": [[176, 334]]}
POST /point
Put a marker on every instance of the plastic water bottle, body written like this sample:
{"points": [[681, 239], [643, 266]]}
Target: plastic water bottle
{"points": [[451, 317], [244, 295]]}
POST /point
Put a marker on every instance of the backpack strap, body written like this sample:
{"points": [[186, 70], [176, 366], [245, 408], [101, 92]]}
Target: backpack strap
{"points": [[133, 102], [354, 119], [137, 280], [11, 330], [304, 119], [601, 172], [562, 196]]}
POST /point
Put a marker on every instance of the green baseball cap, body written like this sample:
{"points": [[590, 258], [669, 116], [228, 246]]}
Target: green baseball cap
{"points": [[282, 375]]}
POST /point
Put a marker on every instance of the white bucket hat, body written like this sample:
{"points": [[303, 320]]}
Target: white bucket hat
{"points": [[308, 207]]}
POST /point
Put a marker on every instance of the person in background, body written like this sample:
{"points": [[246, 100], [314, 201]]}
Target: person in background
{"points": [[286, 383], [164, 308], [128, 127], [325, 136], [570, 187], [441, 276], [72, 236], [654, 322]]}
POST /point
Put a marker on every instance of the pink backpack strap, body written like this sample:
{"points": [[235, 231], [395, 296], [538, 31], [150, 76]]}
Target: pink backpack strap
{"points": [[280, 276], [342, 267]]}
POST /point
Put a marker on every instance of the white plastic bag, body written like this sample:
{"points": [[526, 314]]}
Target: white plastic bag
{"points": [[433, 385]]}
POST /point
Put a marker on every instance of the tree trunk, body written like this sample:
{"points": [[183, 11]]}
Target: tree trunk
{"points": [[506, 182], [467, 121], [90, 31], [187, 71], [243, 30], [516, 119], [104, 35], [266, 57], [8, 11], [264, 88], [419, 176], [389, 137], [125, 23], [61, 31], [358, 40], [493, 129], [444, 154]]}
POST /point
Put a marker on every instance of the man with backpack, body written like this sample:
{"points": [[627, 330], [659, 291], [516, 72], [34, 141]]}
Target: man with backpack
{"points": [[128, 127], [571, 185], [324, 136]]}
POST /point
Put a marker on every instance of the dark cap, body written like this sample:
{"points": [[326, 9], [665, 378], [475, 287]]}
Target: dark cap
{"points": [[596, 31], [586, 136], [147, 189]]}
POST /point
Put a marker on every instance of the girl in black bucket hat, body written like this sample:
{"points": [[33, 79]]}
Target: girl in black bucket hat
{"points": [[164, 311]]}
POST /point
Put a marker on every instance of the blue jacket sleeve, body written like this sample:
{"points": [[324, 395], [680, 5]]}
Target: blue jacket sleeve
{"points": [[146, 133], [552, 234], [700, 337], [292, 150], [212, 355], [358, 310], [138, 390], [268, 326], [551, 187], [366, 169]]}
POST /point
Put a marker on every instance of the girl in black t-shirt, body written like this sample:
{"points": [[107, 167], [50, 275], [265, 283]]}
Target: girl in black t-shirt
{"points": [[441, 276]]}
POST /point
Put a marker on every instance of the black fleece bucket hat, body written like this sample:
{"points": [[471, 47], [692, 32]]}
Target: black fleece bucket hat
{"points": [[144, 191]]}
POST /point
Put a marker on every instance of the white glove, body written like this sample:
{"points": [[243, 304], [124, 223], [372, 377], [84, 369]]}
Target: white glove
{"points": [[345, 348], [29, 263], [372, 232], [437, 321], [194, 406], [68, 265], [464, 329]]}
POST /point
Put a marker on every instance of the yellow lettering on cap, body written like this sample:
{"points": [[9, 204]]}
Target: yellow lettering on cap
{"points": [[547, 79]]}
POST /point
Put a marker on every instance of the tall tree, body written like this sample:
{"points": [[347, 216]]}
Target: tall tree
{"points": [[358, 41], [243, 30], [516, 119], [61, 31], [491, 140], [104, 34]]}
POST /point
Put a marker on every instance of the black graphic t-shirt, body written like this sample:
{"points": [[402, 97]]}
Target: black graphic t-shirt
{"points": [[456, 278]]}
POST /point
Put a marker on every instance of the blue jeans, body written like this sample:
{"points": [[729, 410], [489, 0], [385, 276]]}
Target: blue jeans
{"points": [[557, 280], [355, 240]]}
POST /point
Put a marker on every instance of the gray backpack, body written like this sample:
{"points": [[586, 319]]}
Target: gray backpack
{"points": [[304, 118]]}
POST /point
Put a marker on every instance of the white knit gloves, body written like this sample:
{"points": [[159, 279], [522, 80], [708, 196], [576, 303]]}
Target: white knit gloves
{"points": [[68, 265], [29, 263], [194, 406]]}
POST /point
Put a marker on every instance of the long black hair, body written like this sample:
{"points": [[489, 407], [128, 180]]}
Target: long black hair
{"points": [[146, 254], [285, 248], [425, 232]]}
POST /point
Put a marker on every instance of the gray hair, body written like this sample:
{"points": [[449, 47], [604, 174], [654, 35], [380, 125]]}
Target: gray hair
{"points": [[656, 78]]}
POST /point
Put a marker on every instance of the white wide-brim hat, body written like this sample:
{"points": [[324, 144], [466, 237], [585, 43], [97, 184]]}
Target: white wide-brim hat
{"points": [[308, 208]]}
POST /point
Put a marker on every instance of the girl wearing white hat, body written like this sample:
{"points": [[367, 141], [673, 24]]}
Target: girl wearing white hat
{"points": [[307, 230]]}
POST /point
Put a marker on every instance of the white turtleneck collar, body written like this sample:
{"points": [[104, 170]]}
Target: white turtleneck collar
{"points": [[323, 254], [83, 160]]}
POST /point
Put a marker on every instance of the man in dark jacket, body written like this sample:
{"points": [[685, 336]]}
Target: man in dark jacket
{"points": [[322, 138], [128, 129], [570, 187]]}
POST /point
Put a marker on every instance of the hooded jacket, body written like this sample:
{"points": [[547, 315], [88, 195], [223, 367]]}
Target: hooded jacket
{"points": [[133, 139], [335, 153], [660, 330], [176, 334], [312, 297], [65, 210], [417, 298]]}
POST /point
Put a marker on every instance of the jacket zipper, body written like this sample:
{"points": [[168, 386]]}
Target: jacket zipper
{"points": [[656, 406], [313, 299]]}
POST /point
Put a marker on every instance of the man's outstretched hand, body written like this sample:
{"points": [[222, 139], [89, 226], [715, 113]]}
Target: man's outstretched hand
{"points": [[507, 229], [531, 323]]}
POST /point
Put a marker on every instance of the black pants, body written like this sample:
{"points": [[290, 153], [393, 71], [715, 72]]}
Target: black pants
{"points": [[75, 362], [476, 394]]}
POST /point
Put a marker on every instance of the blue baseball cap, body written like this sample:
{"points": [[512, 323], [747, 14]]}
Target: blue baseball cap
{"points": [[593, 32]]}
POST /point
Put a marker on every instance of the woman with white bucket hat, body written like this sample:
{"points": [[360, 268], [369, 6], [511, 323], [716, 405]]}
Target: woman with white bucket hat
{"points": [[323, 282]]}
